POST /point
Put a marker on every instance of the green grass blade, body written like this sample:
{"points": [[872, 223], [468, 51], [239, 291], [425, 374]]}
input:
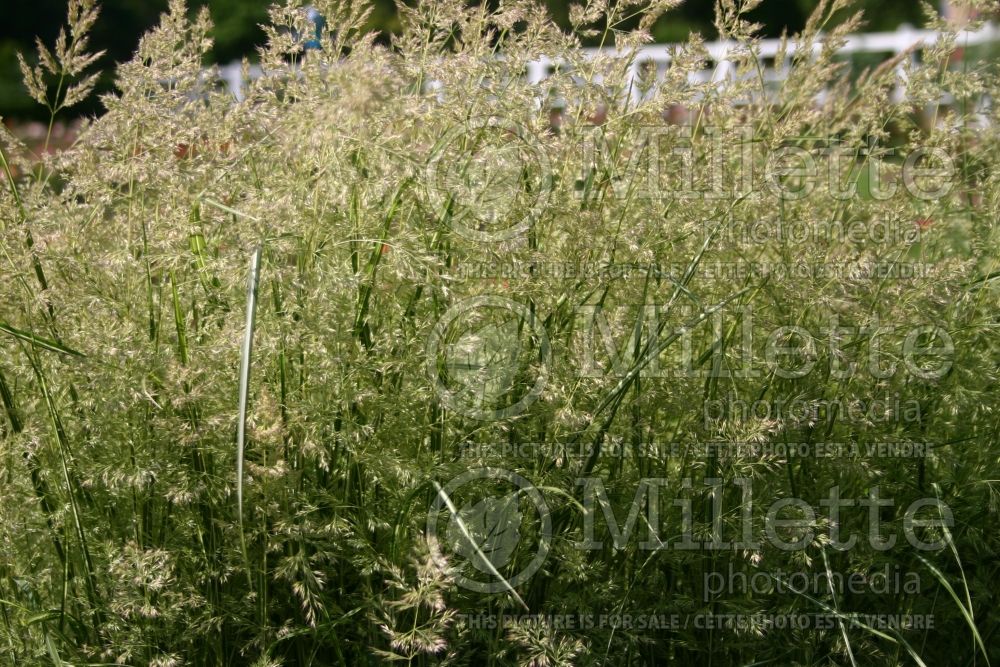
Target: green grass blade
{"points": [[73, 489], [472, 542], [38, 341], [966, 613], [182, 346], [245, 354], [836, 606]]}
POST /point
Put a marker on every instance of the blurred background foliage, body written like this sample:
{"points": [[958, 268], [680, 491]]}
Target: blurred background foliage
{"points": [[237, 31]]}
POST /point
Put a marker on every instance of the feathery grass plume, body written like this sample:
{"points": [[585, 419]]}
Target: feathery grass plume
{"points": [[721, 284]]}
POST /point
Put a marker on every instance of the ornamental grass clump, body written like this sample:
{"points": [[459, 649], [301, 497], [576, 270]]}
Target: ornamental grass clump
{"points": [[261, 358]]}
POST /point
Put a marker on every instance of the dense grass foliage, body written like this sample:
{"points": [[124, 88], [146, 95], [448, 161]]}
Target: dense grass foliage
{"points": [[228, 330]]}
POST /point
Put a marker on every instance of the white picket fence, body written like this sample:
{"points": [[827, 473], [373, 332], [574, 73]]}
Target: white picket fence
{"points": [[657, 58]]}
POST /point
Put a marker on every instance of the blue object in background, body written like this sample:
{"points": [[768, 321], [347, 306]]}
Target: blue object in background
{"points": [[317, 19]]}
